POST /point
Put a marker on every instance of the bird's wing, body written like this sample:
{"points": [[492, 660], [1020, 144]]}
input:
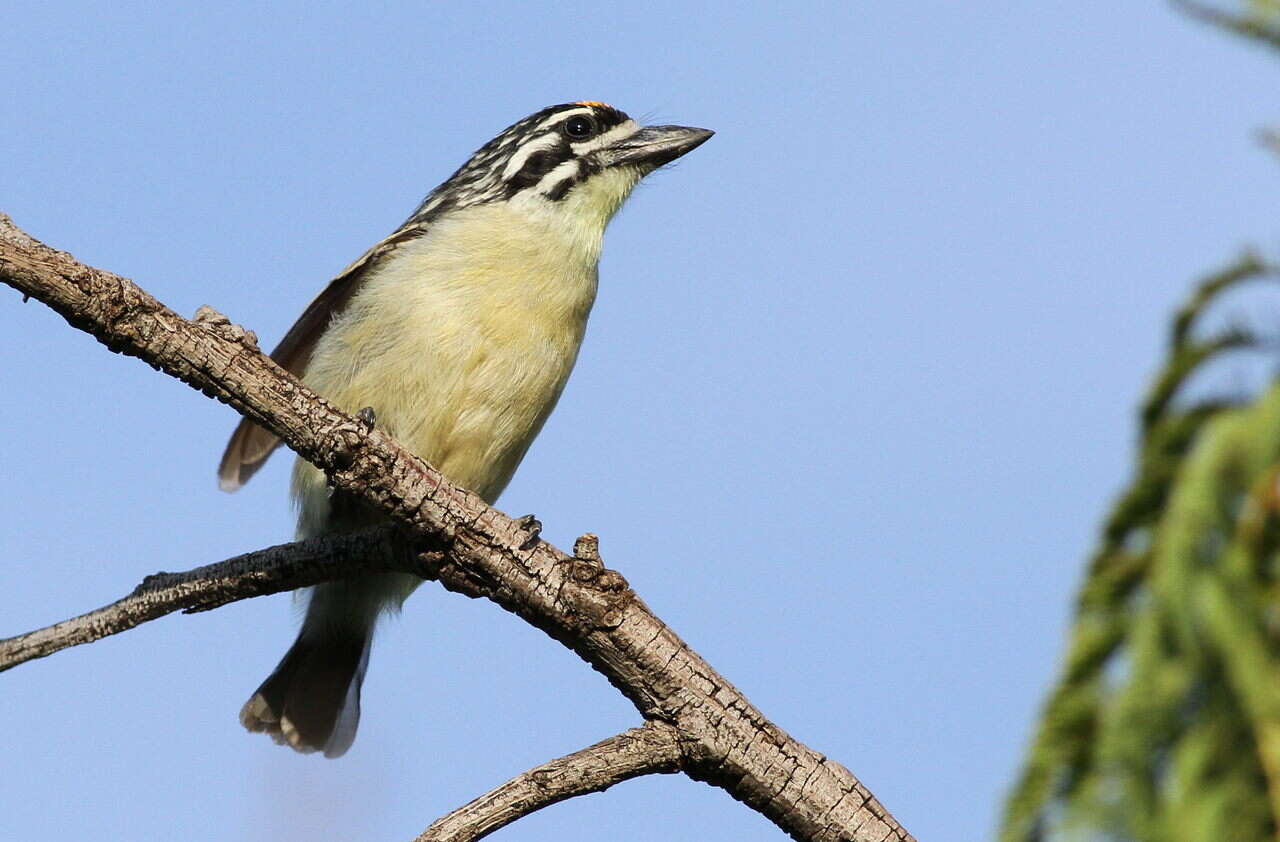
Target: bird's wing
{"points": [[250, 445]]}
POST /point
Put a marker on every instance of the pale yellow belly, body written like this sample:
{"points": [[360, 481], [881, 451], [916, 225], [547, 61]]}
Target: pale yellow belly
{"points": [[461, 344], [472, 413], [463, 381]]}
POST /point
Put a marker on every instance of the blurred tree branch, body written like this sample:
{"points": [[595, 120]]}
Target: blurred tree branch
{"points": [[1259, 21], [1270, 138], [470, 547]]}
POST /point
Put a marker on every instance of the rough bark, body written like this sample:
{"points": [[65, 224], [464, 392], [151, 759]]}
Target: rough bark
{"points": [[284, 567], [653, 749], [723, 739]]}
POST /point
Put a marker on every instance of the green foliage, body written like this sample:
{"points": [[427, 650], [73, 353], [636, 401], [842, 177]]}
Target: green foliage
{"points": [[1165, 724], [1264, 9]]}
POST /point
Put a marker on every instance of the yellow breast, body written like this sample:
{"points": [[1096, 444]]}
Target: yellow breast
{"points": [[461, 342]]}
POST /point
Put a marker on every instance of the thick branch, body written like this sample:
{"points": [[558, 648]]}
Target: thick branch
{"points": [[652, 749], [725, 740]]}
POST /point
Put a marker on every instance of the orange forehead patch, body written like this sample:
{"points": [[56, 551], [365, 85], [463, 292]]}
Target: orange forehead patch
{"points": [[593, 102]]}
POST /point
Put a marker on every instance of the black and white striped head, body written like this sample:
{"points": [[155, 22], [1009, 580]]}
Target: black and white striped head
{"points": [[563, 152]]}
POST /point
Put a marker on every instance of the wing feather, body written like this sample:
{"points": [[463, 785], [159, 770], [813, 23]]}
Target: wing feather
{"points": [[250, 445]]}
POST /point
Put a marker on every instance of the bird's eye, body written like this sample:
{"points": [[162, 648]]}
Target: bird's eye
{"points": [[580, 127]]}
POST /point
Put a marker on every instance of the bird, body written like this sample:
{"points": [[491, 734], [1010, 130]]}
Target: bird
{"points": [[458, 332]]}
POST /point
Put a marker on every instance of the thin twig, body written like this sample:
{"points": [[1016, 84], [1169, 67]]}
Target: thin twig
{"points": [[649, 750], [284, 567], [1269, 137]]}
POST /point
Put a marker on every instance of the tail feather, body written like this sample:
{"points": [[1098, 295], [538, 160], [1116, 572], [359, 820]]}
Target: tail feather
{"points": [[311, 702]]}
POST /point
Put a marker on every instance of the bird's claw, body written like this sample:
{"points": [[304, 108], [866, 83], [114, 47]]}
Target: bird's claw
{"points": [[533, 527]]}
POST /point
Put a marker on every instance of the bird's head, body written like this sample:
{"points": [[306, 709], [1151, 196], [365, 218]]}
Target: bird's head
{"points": [[581, 159]]}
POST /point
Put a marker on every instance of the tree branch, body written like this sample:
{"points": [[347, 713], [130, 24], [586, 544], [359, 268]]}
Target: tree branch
{"points": [[726, 741], [1270, 138], [1250, 26], [649, 750], [281, 568]]}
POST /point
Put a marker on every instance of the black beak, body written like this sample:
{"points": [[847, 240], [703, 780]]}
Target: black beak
{"points": [[653, 146]]}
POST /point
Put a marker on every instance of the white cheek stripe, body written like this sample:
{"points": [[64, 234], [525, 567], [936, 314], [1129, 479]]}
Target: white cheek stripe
{"points": [[569, 169], [617, 133], [519, 159]]}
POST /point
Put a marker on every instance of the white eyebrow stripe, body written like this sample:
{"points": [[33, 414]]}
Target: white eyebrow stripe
{"points": [[518, 160], [569, 169], [563, 115], [617, 133]]}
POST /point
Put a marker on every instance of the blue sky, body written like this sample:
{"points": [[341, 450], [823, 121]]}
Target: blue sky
{"points": [[857, 388]]}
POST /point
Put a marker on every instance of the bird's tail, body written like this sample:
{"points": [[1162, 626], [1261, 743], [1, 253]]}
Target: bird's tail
{"points": [[311, 702]]}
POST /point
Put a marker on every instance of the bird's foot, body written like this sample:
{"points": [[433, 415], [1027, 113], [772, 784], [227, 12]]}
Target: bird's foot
{"points": [[367, 417], [531, 525]]}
